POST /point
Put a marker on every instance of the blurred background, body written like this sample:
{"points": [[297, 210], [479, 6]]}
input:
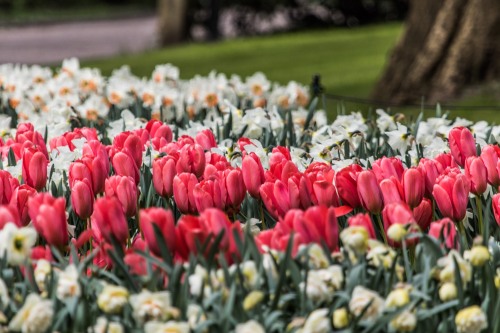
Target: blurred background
{"points": [[402, 55]]}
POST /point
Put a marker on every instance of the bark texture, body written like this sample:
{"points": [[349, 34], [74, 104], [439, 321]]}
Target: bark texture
{"points": [[446, 46], [172, 21]]}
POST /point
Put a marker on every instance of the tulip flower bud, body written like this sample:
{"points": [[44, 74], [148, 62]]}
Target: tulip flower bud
{"points": [[124, 165], [369, 192], [490, 157], [19, 201], [462, 144], [448, 292], [8, 185], [444, 228], [163, 175], [340, 318], [109, 220], [164, 220], [387, 167], [253, 174], [362, 220], [35, 168], [413, 186], [235, 189], [479, 255], [478, 174], [210, 193], [346, 183], [123, 188], [451, 193], [184, 185], [9, 214], [82, 198], [48, 215], [191, 159], [206, 139]]}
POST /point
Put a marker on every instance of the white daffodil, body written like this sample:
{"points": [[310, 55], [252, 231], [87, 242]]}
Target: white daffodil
{"points": [[16, 243]]}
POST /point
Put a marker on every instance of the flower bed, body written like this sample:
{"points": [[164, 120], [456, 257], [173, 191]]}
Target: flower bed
{"points": [[220, 204]]}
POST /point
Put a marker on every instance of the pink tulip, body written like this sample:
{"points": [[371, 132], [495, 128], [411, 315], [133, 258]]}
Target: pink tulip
{"points": [[206, 139], [48, 215], [128, 141], [431, 169], [490, 156], [33, 137], [387, 167], [496, 207], [191, 159], [79, 170], [35, 168], [462, 144], [445, 228], [477, 173], [423, 214], [164, 220], [8, 185], [9, 214], [158, 129], [210, 193], [253, 174], [275, 197], [451, 193], [362, 220], [96, 158], [369, 192], [123, 188], [19, 201], [413, 186], [109, 221], [82, 198], [346, 183], [184, 185], [392, 190], [235, 189], [163, 175], [124, 165]]}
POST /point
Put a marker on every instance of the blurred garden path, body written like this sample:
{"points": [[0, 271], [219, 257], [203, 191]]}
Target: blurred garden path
{"points": [[51, 43]]}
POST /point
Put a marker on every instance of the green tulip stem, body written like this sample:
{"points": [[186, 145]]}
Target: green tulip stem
{"points": [[261, 210], [479, 208], [381, 227]]}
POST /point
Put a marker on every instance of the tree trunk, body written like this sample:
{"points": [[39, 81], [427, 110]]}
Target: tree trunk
{"points": [[447, 45], [172, 21]]}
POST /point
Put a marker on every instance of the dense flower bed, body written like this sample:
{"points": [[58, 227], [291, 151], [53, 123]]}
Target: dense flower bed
{"points": [[219, 205]]}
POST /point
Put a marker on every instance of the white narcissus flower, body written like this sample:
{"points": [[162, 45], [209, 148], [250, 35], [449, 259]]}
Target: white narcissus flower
{"points": [[355, 239], [471, 320], [360, 299], [112, 299], [322, 283], [42, 273], [316, 256], [195, 315], [406, 321], [67, 284], [150, 306], [34, 317], [251, 326], [250, 273], [198, 281], [16, 243], [168, 327], [447, 273], [399, 139], [385, 121], [317, 322], [104, 326], [380, 254]]}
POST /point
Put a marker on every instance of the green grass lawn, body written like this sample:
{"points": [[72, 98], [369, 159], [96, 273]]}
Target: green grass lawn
{"points": [[348, 60]]}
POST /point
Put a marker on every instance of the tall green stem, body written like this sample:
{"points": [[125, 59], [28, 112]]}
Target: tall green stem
{"points": [[261, 210], [479, 207], [381, 227]]}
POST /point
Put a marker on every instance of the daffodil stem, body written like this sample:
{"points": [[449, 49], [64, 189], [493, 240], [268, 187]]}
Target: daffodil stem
{"points": [[461, 230], [381, 227], [479, 208], [261, 210]]}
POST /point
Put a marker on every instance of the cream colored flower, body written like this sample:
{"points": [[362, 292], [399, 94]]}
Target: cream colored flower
{"points": [[104, 326], [447, 263], [251, 326], [397, 298], [355, 238], [198, 280], [316, 256], [4, 294], [317, 322], [471, 320], [322, 283], [360, 298], [250, 273], [168, 327], [150, 306], [448, 291], [112, 298], [253, 299], [406, 321], [478, 255], [397, 232], [380, 254], [34, 317], [42, 273], [16, 243], [195, 315], [340, 318], [67, 284]]}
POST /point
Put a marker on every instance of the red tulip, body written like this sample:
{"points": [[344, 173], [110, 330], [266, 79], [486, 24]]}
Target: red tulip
{"points": [[446, 161], [362, 220], [164, 220], [9, 214], [490, 156], [346, 183], [369, 192], [158, 129], [392, 190], [276, 198], [191, 159], [210, 193], [82, 198], [48, 215], [35, 168], [97, 159], [124, 165], [109, 220], [431, 169], [477, 173], [423, 214], [125, 190], [34, 137], [253, 174], [387, 167], [206, 139], [8, 185], [462, 144], [163, 175], [235, 189], [413, 186], [399, 213], [444, 228], [79, 170], [128, 141], [451, 193], [184, 185], [496, 207], [19, 200]]}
